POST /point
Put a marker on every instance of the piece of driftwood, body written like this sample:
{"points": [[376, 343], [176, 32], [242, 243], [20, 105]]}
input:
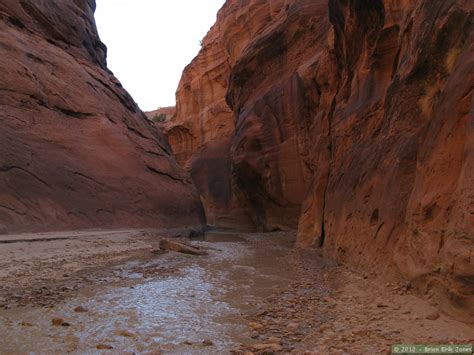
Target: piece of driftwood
{"points": [[166, 244]]}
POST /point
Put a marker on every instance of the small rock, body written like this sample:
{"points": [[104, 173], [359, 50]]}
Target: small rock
{"points": [[254, 335], [187, 342], [324, 327], [126, 333], [207, 342], [273, 347], [433, 315], [293, 326], [274, 340], [80, 309], [382, 305], [104, 347], [255, 326], [26, 324], [60, 322], [57, 321]]}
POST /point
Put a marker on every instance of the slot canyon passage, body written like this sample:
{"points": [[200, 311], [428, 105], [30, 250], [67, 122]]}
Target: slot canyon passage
{"points": [[311, 192]]}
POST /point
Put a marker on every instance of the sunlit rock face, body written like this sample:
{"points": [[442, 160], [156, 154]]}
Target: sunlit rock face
{"points": [[203, 133], [350, 120], [75, 150]]}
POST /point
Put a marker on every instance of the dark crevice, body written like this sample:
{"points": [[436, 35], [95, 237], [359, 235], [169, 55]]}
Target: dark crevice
{"points": [[36, 58], [72, 113], [441, 242], [330, 149], [103, 210], [9, 168], [154, 153], [88, 178], [13, 210], [378, 230], [16, 22], [156, 171], [137, 132], [323, 234]]}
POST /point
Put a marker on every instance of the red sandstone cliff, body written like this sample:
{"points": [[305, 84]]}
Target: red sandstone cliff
{"points": [[202, 131], [163, 114], [75, 151], [355, 117]]}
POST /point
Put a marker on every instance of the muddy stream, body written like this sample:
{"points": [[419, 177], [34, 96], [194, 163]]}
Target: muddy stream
{"points": [[174, 303]]}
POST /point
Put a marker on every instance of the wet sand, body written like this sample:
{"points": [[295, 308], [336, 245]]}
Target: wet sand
{"points": [[250, 290]]}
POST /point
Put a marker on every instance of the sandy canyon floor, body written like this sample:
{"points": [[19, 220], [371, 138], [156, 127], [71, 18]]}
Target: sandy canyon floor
{"points": [[116, 292]]}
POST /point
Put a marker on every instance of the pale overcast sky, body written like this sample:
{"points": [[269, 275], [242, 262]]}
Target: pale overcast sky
{"points": [[151, 41]]}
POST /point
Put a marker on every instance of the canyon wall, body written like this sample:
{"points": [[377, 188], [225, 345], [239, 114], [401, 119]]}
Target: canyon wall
{"points": [[202, 132], [162, 114], [396, 190], [75, 150], [351, 120]]}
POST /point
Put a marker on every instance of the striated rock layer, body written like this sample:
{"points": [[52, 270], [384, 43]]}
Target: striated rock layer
{"points": [[351, 120], [75, 150]]}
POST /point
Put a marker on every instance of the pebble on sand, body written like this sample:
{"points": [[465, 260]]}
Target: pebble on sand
{"points": [[433, 315], [273, 347], [126, 333], [274, 340], [293, 326], [104, 347], [255, 326], [59, 322]]}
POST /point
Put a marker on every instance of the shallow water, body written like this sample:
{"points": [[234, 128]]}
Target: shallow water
{"points": [[201, 298]]}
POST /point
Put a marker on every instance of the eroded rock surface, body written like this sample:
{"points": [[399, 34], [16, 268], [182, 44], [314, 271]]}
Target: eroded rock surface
{"points": [[352, 120], [75, 150]]}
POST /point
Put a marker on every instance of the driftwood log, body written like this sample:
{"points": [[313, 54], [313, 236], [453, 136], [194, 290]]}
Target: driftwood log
{"points": [[166, 244]]}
